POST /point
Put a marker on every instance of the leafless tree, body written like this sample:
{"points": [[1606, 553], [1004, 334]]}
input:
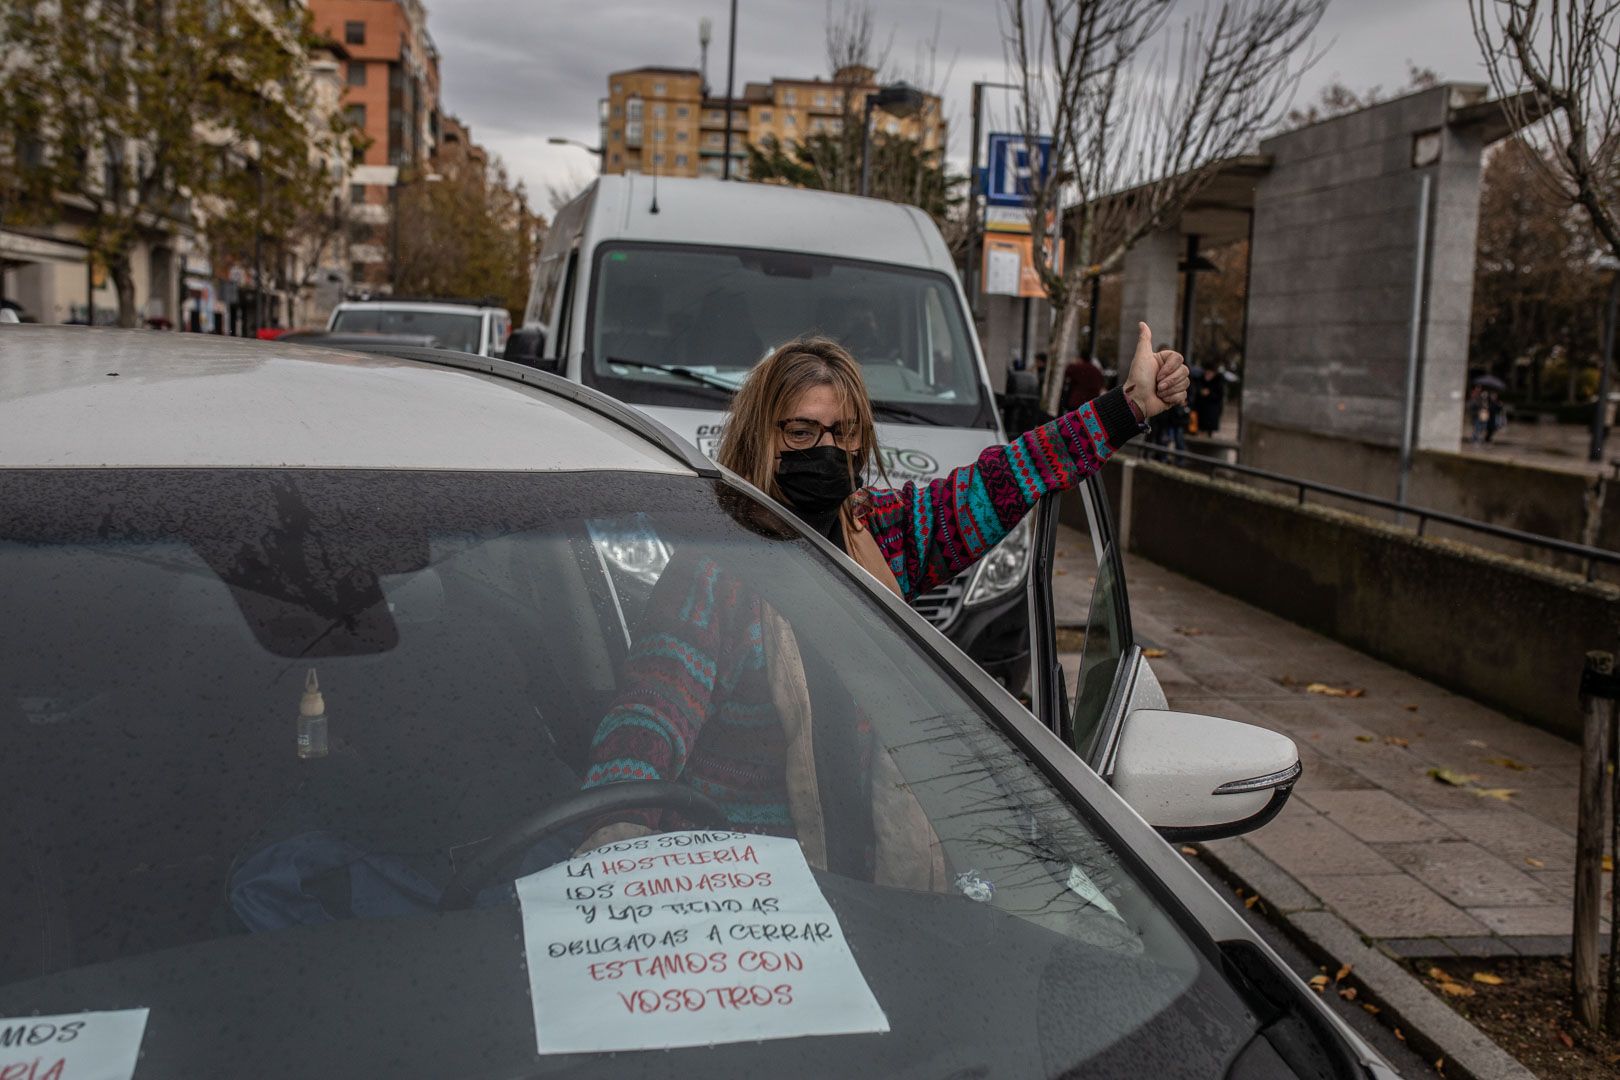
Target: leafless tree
{"points": [[1140, 116], [1559, 62]]}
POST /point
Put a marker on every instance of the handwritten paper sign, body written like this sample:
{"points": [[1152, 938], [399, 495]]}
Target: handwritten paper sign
{"points": [[75, 1046], [687, 939]]}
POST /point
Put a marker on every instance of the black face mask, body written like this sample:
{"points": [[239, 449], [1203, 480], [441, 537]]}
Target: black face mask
{"points": [[816, 482]]}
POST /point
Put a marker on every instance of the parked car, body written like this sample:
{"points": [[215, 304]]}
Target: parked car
{"points": [[667, 298], [302, 660], [463, 326], [360, 342]]}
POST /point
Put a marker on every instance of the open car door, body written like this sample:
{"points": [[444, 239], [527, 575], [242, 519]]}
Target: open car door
{"points": [[1192, 777]]}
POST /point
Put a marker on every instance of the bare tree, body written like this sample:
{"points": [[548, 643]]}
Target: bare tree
{"points": [[1560, 61], [1139, 120]]}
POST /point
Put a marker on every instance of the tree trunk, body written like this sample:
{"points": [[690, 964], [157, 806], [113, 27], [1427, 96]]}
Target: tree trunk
{"points": [[1063, 345], [124, 283]]}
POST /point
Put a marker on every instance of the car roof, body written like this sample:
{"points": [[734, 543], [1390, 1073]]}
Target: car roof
{"points": [[446, 306], [769, 216], [81, 397]]}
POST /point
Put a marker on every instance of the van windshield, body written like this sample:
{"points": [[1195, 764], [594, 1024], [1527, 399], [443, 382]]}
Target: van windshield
{"points": [[453, 330], [715, 312]]}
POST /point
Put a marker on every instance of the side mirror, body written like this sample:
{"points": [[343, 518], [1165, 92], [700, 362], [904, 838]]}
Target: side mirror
{"points": [[525, 346], [1200, 777]]}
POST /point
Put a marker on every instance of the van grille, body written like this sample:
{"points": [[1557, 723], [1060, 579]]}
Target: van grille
{"points": [[941, 605]]}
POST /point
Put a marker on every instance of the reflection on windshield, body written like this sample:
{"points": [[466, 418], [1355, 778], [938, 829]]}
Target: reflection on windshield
{"points": [[477, 640], [716, 312], [450, 330]]}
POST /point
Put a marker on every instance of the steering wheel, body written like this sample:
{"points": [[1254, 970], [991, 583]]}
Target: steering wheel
{"points": [[502, 849]]}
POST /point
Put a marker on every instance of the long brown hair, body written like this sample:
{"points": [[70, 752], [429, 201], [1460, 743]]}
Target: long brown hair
{"points": [[748, 443]]}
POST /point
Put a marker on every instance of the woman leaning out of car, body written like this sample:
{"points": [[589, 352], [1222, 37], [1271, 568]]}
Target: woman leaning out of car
{"points": [[715, 693]]}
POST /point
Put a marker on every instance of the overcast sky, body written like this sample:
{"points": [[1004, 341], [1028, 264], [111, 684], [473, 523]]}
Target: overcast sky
{"points": [[519, 71]]}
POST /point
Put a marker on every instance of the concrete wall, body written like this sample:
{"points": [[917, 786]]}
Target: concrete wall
{"points": [[1334, 264], [1548, 502], [1437, 609], [1001, 333]]}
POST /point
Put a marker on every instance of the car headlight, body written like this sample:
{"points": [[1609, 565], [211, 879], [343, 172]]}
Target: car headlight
{"points": [[638, 554], [1003, 570]]}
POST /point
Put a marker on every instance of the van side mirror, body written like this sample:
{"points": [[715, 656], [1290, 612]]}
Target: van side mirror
{"points": [[526, 345], [1200, 777]]}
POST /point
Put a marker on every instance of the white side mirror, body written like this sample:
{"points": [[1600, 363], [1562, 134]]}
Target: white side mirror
{"points": [[1200, 777]]}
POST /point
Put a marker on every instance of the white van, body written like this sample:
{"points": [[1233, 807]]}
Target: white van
{"points": [[666, 293]]}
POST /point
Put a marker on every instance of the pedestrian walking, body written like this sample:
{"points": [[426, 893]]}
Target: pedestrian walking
{"points": [[1082, 381], [1479, 414], [1209, 398], [708, 683], [1495, 414]]}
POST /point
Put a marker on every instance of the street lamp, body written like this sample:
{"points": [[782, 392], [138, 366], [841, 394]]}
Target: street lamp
{"points": [[897, 99], [558, 140]]}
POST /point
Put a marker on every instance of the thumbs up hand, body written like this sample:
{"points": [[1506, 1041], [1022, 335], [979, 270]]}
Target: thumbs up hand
{"points": [[1157, 380]]}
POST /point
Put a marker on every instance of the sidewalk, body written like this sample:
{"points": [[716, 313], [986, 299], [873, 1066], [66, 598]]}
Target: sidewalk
{"points": [[1372, 850]]}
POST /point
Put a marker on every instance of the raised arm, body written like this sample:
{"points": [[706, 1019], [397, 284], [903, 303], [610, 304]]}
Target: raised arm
{"points": [[931, 532]]}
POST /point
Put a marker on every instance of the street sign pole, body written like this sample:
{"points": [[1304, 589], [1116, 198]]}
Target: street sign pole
{"points": [[975, 225]]}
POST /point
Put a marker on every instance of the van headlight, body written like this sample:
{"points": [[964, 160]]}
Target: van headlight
{"points": [[1003, 570]]}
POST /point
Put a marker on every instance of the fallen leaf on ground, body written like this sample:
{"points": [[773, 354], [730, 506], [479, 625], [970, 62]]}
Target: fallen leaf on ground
{"points": [[1189, 631], [1251, 901], [1452, 777], [1439, 974], [1333, 691], [1364, 738], [1488, 979], [1319, 983], [1187, 849], [1509, 763], [1456, 989], [1401, 1035], [1440, 1066], [1477, 743], [1154, 654], [1348, 993], [1563, 1037], [1370, 1007], [1345, 969], [1060, 572], [1411, 708], [1503, 793], [1396, 740], [1537, 863]]}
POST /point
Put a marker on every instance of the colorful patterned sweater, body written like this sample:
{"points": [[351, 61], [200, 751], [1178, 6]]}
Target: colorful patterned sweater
{"points": [[696, 705]]}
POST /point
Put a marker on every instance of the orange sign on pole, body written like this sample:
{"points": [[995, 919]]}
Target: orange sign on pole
{"points": [[1009, 264]]}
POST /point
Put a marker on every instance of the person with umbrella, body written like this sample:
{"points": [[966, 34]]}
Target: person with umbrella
{"points": [[1485, 407]]}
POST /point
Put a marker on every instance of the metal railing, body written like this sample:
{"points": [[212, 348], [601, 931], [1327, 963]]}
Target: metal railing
{"points": [[1591, 557]]}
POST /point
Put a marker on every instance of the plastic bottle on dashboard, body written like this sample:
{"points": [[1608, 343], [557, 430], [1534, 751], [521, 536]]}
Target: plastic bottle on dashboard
{"points": [[311, 720]]}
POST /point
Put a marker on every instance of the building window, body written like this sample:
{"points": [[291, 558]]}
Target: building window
{"points": [[680, 136], [789, 97], [764, 116], [788, 120], [357, 193], [356, 115], [680, 159], [659, 89], [658, 159], [357, 73], [821, 101], [617, 157], [618, 88], [633, 109], [658, 135], [354, 33], [658, 110], [681, 110]]}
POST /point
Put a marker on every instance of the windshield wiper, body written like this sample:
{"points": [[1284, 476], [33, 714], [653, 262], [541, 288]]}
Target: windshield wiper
{"points": [[900, 412], [677, 370]]}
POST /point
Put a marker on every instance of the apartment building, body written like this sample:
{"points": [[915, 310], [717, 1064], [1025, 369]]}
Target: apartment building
{"points": [[664, 118], [391, 95]]}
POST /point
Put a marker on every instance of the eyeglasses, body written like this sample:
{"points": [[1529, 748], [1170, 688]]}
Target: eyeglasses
{"points": [[801, 432]]}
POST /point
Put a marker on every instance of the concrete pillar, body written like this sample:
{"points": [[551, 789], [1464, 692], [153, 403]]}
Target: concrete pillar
{"points": [[1148, 292], [1333, 268]]}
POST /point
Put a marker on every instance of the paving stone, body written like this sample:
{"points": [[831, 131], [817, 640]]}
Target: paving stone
{"points": [[1303, 842], [1322, 773], [1237, 860], [1378, 816], [1466, 874], [1540, 920], [1514, 835], [1421, 948], [1549, 945], [1558, 807], [1481, 947], [1392, 905]]}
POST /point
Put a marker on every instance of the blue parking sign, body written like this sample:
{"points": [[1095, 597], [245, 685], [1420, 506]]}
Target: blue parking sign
{"points": [[1013, 161]]}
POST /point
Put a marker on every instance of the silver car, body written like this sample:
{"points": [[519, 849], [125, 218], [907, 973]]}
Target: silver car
{"points": [[304, 662]]}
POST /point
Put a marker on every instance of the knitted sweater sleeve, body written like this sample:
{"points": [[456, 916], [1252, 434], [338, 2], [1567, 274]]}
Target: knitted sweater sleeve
{"points": [[929, 533], [689, 649]]}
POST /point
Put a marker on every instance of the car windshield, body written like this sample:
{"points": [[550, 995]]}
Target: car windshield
{"points": [[452, 330], [280, 742], [715, 312]]}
